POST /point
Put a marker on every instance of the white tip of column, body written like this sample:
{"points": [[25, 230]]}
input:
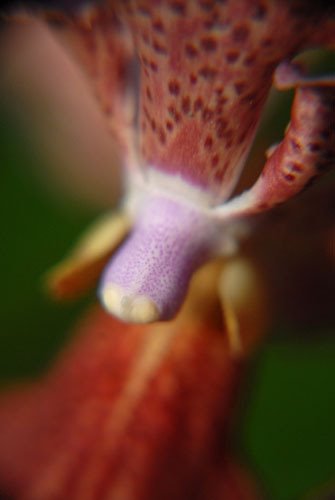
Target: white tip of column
{"points": [[128, 308]]}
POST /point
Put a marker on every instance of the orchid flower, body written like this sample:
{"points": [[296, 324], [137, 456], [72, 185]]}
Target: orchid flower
{"points": [[183, 85]]}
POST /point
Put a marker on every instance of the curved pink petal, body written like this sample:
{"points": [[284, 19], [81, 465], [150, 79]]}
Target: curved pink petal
{"points": [[307, 150]]}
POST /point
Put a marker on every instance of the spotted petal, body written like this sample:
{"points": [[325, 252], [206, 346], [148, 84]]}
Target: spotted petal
{"points": [[308, 149], [206, 69]]}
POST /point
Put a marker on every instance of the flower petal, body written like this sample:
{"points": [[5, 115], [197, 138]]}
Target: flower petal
{"points": [[81, 269], [206, 69], [130, 411], [307, 150]]}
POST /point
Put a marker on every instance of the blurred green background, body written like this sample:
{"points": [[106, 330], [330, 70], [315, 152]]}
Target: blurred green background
{"points": [[287, 426], [35, 232]]}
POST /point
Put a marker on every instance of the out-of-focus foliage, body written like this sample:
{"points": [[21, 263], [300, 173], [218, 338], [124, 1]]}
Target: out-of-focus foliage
{"points": [[35, 231]]}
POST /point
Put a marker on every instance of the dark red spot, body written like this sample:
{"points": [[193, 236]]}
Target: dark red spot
{"points": [[148, 94], [193, 79], [158, 26], [161, 136], [198, 104], [243, 136], [159, 48], [153, 125], [208, 142], [220, 127], [263, 206], [169, 125], [178, 7], [215, 160], [153, 66], [222, 100], [190, 50], [260, 12], [266, 42], [174, 87], [174, 114], [207, 114], [289, 177], [240, 33], [121, 69], [232, 56], [229, 143], [296, 167], [250, 60], [250, 98], [208, 72], [208, 43], [240, 87], [206, 5], [186, 105]]}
